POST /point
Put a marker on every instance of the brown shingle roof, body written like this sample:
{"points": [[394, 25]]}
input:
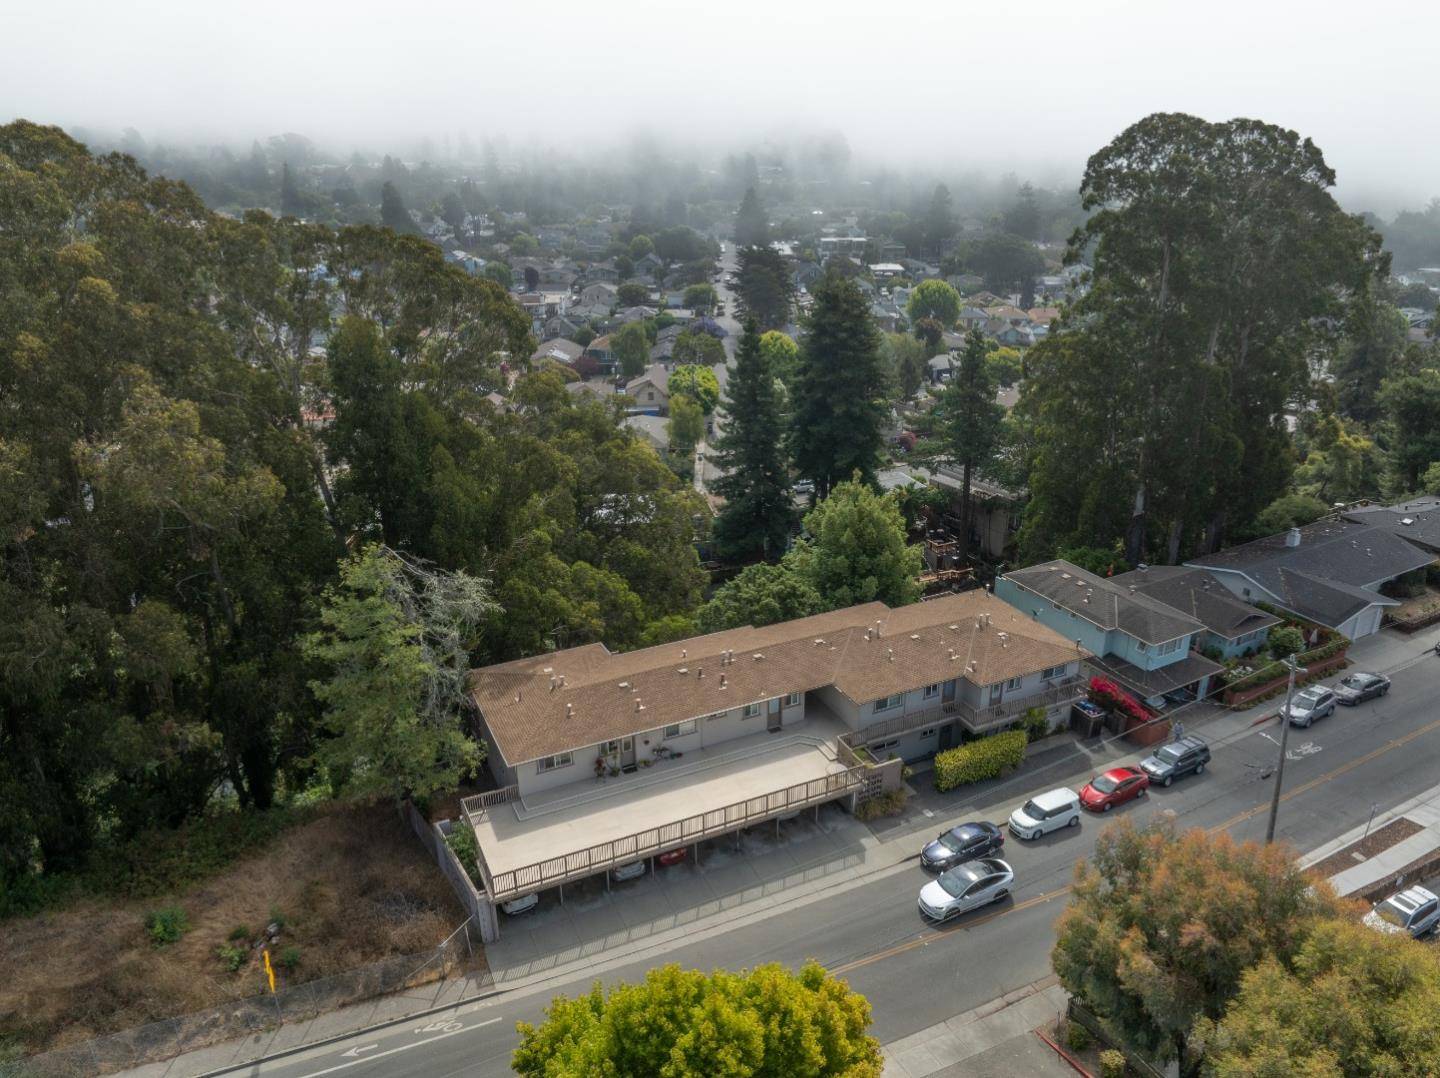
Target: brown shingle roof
{"points": [[615, 695]]}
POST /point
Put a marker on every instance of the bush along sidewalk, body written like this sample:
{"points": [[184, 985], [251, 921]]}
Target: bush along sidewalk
{"points": [[987, 758]]}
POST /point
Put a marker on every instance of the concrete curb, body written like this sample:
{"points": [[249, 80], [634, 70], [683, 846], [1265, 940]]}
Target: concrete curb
{"points": [[1075, 1064], [1322, 852]]}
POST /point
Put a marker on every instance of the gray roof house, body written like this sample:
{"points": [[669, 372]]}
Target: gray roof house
{"points": [[1417, 521], [651, 429], [1233, 627], [651, 390], [1329, 572]]}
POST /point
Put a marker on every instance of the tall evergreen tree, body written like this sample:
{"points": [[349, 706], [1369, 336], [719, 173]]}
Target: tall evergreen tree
{"points": [[840, 384], [291, 204], [393, 213], [766, 288], [939, 219], [752, 226], [965, 425], [759, 514]]}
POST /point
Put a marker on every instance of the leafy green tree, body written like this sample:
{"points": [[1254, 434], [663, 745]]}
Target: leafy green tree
{"points": [[1341, 465], [1023, 216], [766, 1023], [632, 294], [698, 383], [934, 299], [838, 394], [1411, 405], [1098, 560], [1285, 640], [855, 550], [765, 288], [452, 212], [686, 425], [752, 227], [1007, 262], [631, 346], [1162, 926], [782, 353], [523, 245], [907, 358], [1219, 257], [700, 297], [697, 347], [393, 213], [639, 247], [1352, 1003], [500, 274], [395, 642], [1006, 365], [758, 595], [964, 428], [759, 512], [1368, 354]]}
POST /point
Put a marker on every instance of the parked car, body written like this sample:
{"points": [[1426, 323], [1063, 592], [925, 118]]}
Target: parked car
{"points": [[523, 904], [804, 486], [1114, 787], [966, 887], [1357, 687], [1414, 910], [1047, 812], [673, 857], [967, 842], [1313, 703], [632, 871], [1180, 757]]}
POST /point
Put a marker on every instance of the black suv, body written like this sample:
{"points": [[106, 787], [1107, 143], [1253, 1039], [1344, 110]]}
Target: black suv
{"points": [[968, 842], [1179, 757]]}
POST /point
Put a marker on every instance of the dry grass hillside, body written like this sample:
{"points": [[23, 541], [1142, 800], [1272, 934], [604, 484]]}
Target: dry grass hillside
{"points": [[352, 886]]}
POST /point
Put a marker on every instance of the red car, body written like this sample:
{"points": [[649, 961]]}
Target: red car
{"points": [[672, 857], [1115, 787]]}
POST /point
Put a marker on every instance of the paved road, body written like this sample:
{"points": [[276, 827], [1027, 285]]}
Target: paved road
{"points": [[916, 974]]}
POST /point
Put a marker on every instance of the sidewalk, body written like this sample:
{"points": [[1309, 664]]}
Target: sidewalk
{"points": [[1386, 869], [996, 1038]]}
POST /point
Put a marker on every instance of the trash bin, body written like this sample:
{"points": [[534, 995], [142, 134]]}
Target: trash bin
{"points": [[1086, 719]]}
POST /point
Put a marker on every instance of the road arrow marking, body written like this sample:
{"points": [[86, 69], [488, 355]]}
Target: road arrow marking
{"points": [[358, 1049]]}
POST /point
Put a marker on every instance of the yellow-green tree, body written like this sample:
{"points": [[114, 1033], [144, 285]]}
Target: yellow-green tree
{"points": [[762, 1023], [1353, 1003], [855, 550]]}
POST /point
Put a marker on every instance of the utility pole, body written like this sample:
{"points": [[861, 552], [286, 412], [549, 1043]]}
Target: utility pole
{"points": [[1284, 737]]}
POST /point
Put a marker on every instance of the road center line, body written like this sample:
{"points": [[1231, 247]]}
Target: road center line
{"points": [[1264, 806], [402, 1048]]}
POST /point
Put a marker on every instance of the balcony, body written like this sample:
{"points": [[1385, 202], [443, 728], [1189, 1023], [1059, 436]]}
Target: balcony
{"points": [[977, 720]]}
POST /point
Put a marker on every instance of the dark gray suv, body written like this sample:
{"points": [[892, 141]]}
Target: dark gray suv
{"points": [[1179, 757]]}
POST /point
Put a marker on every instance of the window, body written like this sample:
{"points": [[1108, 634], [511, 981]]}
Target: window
{"points": [[550, 763], [1169, 646], [996, 692], [1051, 672], [883, 746], [716, 715], [751, 710], [931, 691], [929, 731], [1013, 683], [1142, 647], [890, 702], [793, 700], [680, 729]]}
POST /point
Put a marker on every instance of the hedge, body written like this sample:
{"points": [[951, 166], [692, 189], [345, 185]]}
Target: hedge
{"points": [[1269, 673], [980, 760]]}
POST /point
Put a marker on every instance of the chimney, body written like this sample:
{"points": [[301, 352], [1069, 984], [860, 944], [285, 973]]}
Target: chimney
{"points": [[1292, 537], [683, 652], [639, 706], [569, 711], [890, 654], [552, 682], [699, 671], [722, 681], [562, 681]]}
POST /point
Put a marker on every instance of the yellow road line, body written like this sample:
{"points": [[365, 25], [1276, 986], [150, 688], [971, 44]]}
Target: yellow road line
{"points": [[1264, 806]]}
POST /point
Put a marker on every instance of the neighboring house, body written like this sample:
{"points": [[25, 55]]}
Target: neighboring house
{"points": [[1329, 572], [560, 326], [646, 267], [599, 388], [972, 317], [635, 314], [994, 511], [662, 351], [601, 273], [1416, 521], [584, 742], [1042, 316], [1142, 643], [599, 349], [1009, 335], [940, 368], [651, 390], [566, 351], [882, 271], [589, 312], [599, 294], [1232, 628], [651, 429], [472, 264]]}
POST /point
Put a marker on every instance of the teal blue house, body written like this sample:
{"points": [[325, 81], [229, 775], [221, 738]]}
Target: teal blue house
{"points": [[1147, 646], [1232, 628]]}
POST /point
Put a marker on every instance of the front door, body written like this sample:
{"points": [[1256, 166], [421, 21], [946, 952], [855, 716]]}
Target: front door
{"points": [[772, 717], [947, 736], [947, 692], [627, 754]]}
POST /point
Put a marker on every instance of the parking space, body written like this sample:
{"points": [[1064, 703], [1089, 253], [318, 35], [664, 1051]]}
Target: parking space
{"points": [[747, 868]]}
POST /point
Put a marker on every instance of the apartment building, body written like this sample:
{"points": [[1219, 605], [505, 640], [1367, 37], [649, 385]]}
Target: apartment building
{"points": [[602, 757]]}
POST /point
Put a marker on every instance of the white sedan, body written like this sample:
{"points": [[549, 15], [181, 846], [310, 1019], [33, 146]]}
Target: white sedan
{"points": [[966, 887]]}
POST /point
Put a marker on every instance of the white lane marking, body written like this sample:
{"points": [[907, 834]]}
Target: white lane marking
{"points": [[402, 1048], [359, 1049]]}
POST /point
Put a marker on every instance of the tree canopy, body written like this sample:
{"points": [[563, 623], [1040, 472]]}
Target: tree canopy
{"points": [[765, 288], [763, 1023], [752, 226], [854, 549], [934, 299], [758, 595], [697, 383]]}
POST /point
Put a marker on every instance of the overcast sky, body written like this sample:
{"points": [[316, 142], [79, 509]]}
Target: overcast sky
{"points": [[948, 82]]}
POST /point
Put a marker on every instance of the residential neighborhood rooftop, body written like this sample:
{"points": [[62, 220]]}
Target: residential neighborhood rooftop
{"points": [[550, 703], [1196, 592], [1104, 602]]}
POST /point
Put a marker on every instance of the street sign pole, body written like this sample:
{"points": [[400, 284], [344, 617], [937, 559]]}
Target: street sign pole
{"points": [[1284, 737]]}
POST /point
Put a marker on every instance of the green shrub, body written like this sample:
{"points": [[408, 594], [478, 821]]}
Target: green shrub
{"points": [[232, 958], [289, 958], [1285, 640], [1112, 1063], [238, 933], [166, 925], [890, 803], [461, 841], [980, 760], [1036, 724], [1077, 1037]]}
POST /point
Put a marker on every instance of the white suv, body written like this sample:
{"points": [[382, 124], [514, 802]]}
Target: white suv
{"points": [[1045, 813], [1414, 910]]}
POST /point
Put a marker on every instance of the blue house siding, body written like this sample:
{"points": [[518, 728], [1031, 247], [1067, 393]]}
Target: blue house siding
{"points": [[1238, 647], [1068, 625]]}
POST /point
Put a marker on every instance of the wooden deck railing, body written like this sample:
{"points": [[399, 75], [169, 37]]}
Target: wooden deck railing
{"points": [[475, 805], [975, 719], [668, 836]]}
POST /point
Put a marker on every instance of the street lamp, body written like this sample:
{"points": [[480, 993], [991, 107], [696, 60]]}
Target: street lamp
{"points": [[1294, 669]]}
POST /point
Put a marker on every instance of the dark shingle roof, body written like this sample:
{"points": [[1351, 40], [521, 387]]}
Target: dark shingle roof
{"points": [[1104, 603], [1159, 681], [1197, 593], [1324, 576], [1423, 515]]}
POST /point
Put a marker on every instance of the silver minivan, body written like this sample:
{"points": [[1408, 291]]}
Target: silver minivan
{"points": [[1046, 812]]}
